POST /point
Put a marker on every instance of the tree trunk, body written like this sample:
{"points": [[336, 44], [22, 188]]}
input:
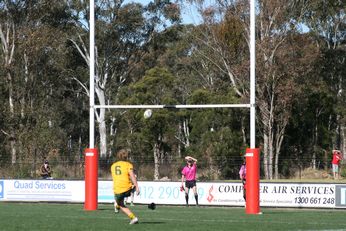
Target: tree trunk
{"points": [[279, 138], [102, 123], [112, 133], [13, 133], [80, 149], [186, 133], [270, 153], [103, 138], [314, 146], [265, 156], [13, 149], [7, 39], [100, 92], [343, 141], [156, 161], [267, 141], [276, 168], [183, 135], [243, 131]]}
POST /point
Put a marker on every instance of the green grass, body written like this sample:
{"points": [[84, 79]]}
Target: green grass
{"points": [[48, 216]]}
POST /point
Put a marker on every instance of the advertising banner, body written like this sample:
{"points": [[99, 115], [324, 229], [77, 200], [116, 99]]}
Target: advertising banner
{"points": [[231, 194], [298, 195], [42, 190], [1, 189], [340, 197]]}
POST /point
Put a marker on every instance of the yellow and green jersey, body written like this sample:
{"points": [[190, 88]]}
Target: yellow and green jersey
{"points": [[121, 176]]}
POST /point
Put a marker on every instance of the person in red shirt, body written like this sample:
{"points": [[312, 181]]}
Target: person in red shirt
{"points": [[337, 157]]}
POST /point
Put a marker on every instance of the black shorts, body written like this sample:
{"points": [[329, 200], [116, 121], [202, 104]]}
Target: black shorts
{"points": [[119, 198], [133, 189], [244, 184], [190, 183]]}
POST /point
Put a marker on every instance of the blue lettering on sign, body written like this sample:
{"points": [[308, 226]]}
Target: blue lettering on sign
{"points": [[2, 189], [49, 185], [343, 196]]}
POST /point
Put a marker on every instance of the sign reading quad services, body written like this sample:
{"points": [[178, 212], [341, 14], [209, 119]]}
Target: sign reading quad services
{"points": [[42, 190], [299, 195]]}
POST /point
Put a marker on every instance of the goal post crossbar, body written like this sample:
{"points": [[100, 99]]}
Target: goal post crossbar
{"points": [[91, 186], [173, 106]]}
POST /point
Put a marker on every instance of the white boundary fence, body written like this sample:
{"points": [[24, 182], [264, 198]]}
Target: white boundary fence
{"points": [[295, 195]]}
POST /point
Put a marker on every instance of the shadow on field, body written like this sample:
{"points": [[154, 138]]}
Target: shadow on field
{"points": [[151, 222], [104, 209]]}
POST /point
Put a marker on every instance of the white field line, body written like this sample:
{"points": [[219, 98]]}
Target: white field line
{"points": [[123, 217]]}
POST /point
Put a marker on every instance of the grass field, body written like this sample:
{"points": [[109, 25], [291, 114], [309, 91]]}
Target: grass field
{"points": [[48, 216]]}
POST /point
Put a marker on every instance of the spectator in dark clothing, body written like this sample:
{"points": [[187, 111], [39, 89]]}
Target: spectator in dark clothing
{"points": [[45, 170]]}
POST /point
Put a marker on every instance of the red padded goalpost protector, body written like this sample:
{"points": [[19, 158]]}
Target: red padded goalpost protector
{"points": [[252, 181], [91, 178]]}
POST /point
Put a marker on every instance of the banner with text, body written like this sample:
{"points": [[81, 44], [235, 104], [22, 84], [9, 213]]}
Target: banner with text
{"points": [[303, 195], [42, 190]]}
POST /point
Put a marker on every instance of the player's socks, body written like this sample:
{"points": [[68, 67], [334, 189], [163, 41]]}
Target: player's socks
{"points": [[187, 199], [196, 197], [131, 216]]}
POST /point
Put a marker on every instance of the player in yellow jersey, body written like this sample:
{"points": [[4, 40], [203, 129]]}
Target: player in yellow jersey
{"points": [[123, 179]]}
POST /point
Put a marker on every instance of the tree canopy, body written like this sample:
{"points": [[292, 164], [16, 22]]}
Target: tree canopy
{"points": [[146, 55]]}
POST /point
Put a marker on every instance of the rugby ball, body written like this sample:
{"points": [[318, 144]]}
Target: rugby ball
{"points": [[148, 113]]}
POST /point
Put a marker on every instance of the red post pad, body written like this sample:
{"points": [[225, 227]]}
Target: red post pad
{"points": [[252, 180], [91, 178]]}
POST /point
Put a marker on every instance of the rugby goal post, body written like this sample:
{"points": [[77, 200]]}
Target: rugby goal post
{"points": [[252, 153]]}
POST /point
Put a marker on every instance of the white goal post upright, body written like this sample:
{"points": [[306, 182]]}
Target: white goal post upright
{"points": [[91, 154], [252, 154], [92, 75], [252, 74]]}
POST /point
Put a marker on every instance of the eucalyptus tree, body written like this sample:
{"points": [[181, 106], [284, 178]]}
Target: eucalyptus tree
{"points": [[285, 58], [220, 52], [32, 56], [173, 49], [180, 53], [216, 134], [326, 20], [7, 36], [157, 132], [123, 32], [225, 32]]}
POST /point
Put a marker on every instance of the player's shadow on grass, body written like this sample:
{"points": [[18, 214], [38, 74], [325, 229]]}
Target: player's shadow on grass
{"points": [[151, 222]]}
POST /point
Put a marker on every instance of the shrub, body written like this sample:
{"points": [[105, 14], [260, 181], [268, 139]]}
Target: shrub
{"points": [[343, 170]]}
